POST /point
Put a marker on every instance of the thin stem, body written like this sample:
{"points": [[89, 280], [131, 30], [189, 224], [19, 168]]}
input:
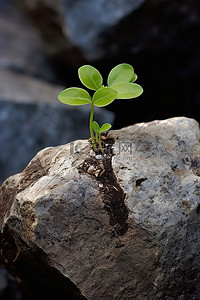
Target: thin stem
{"points": [[96, 137], [100, 143], [91, 130]]}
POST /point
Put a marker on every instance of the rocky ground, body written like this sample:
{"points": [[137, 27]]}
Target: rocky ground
{"points": [[123, 225]]}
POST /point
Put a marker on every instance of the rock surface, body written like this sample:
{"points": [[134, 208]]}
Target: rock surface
{"points": [[125, 226]]}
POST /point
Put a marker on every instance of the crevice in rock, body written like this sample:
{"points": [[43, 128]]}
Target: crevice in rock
{"points": [[112, 194], [195, 165], [198, 209], [139, 181], [33, 269]]}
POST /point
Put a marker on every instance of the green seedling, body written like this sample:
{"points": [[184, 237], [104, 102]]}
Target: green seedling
{"points": [[98, 130], [120, 85]]}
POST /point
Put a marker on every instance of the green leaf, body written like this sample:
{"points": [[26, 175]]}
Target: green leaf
{"points": [[105, 127], [90, 77], [104, 96], [127, 90], [120, 73], [74, 96], [134, 78], [95, 126]]}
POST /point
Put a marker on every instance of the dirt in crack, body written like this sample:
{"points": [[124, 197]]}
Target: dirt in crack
{"points": [[113, 195]]}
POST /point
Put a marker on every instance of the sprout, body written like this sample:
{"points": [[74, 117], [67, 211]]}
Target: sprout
{"points": [[120, 86], [98, 130]]}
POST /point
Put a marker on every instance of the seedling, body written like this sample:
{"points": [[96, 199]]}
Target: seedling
{"points": [[120, 86], [98, 130]]}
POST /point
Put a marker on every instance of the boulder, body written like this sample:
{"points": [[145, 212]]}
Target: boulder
{"points": [[123, 225]]}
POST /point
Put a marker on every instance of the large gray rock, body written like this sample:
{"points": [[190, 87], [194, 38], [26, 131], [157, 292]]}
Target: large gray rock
{"points": [[122, 226]]}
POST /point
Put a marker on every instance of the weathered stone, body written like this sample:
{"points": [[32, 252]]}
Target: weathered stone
{"points": [[132, 232]]}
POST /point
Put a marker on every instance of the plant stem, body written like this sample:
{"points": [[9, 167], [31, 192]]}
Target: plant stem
{"points": [[91, 130], [96, 137], [100, 143]]}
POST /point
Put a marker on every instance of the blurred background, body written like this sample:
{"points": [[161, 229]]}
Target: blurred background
{"points": [[43, 42]]}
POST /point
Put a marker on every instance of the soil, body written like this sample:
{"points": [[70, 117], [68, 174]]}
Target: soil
{"points": [[113, 195]]}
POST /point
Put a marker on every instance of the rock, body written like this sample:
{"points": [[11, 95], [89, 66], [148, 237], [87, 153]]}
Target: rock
{"points": [[32, 118], [48, 18], [85, 21], [131, 233], [21, 48], [21, 88], [66, 23]]}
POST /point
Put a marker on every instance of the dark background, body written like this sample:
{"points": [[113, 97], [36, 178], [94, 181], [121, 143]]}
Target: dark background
{"points": [[161, 40]]}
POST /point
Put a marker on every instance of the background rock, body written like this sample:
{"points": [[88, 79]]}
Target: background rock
{"points": [[160, 39], [18, 87], [66, 23], [130, 232], [86, 20], [21, 48]]}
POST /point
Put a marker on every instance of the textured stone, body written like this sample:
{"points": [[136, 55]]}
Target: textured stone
{"points": [[131, 232]]}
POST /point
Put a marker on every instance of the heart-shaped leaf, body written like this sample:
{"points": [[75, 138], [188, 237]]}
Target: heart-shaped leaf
{"points": [[95, 126], [104, 96], [134, 78], [120, 73], [127, 90], [90, 77], [74, 96], [105, 127]]}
